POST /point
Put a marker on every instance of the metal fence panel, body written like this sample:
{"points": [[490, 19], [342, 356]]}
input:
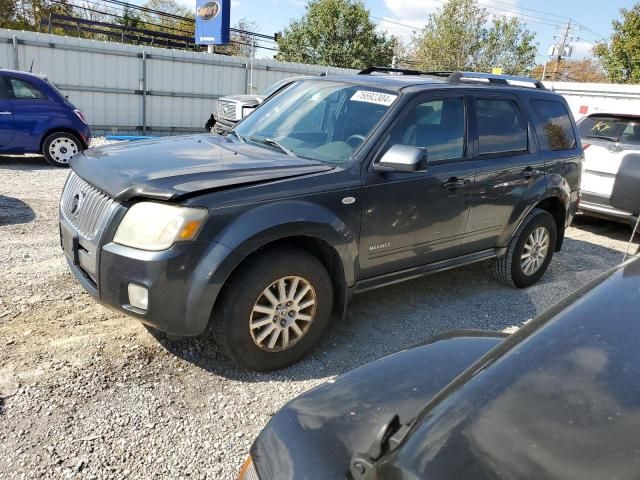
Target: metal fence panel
{"points": [[129, 88]]}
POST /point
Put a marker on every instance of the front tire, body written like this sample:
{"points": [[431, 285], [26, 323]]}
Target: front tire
{"points": [[273, 310], [530, 251], [58, 148]]}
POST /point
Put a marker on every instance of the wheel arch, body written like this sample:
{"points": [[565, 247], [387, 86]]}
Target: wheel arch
{"points": [[53, 130], [315, 246], [558, 209]]}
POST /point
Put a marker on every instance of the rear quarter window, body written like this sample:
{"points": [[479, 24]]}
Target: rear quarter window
{"points": [[21, 89], [554, 128]]}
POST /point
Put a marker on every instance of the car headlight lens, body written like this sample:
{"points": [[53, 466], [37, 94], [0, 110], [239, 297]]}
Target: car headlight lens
{"points": [[157, 226], [248, 470]]}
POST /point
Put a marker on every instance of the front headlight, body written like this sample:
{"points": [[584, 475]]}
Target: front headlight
{"points": [[248, 470], [157, 226]]}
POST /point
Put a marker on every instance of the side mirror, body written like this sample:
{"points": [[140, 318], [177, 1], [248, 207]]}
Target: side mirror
{"points": [[626, 189], [403, 158]]}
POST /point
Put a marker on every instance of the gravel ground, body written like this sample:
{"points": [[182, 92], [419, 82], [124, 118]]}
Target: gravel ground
{"points": [[89, 393]]}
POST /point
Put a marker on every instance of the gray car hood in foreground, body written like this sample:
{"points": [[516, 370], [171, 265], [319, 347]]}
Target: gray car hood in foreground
{"points": [[337, 419], [171, 167]]}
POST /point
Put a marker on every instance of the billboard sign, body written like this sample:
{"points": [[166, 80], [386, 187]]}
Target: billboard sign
{"points": [[212, 22]]}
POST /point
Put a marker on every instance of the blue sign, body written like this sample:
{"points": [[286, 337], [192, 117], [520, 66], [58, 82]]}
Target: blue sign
{"points": [[212, 22]]}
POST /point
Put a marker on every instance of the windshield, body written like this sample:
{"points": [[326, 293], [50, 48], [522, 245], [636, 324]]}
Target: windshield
{"points": [[611, 128], [317, 119]]}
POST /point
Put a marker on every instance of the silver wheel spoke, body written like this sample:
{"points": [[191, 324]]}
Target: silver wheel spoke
{"points": [[282, 290], [307, 304], [302, 293], [274, 338], [265, 333], [304, 318], [296, 329], [261, 322], [285, 338], [294, 288], [270, 296], [263, 309]]}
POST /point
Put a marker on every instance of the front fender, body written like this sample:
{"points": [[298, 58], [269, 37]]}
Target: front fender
{"points": [[268, 223], [246, 232]]}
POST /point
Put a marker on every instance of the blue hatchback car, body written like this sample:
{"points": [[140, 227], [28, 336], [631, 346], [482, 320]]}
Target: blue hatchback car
{"points": [[36, 118]]}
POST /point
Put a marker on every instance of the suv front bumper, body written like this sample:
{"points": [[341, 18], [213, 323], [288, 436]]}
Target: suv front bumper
{"points": [[182, 282]]}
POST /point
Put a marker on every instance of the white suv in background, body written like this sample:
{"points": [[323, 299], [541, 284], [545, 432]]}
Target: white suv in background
{"points": [[606, 138]]}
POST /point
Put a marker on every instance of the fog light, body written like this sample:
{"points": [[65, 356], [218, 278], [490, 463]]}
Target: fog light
{"points": [[138, 296]]}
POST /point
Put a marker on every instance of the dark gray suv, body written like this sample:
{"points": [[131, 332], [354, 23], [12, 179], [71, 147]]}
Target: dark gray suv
{"points": [[331, 187]]}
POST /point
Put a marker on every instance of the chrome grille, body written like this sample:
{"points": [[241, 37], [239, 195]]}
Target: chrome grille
{"points": [[227, 109], [85, 207]]}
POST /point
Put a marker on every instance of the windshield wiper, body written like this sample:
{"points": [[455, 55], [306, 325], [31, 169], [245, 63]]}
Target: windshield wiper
{"points": [[275, 143], [603, 137]]}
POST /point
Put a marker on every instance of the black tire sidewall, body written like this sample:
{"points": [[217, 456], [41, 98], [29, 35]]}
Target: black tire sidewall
{"points": [[245, 289], [541, 219], [50, 139]]}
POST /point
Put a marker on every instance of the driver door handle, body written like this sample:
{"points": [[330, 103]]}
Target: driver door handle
{"points": [[454, 182]]}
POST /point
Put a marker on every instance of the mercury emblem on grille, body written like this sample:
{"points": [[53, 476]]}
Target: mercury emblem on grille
{"points": [[76, 203]]}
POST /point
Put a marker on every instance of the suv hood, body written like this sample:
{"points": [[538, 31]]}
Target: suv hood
{"points": [[171, 167]]}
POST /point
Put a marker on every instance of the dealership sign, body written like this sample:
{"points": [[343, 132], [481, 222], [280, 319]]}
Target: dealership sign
{"points": [[212, 22]]}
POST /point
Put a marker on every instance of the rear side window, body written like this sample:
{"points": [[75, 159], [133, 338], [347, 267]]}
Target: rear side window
{"points": [[24, 90], [555, 131], [611, 128], [502, 128]]}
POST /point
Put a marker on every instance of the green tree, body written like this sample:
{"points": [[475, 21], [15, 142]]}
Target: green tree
{"points": [[27, 14], [178, 20], [459, 36], [338, 33], [509, 45], [240, 44], [129, 18], [620, 56]]}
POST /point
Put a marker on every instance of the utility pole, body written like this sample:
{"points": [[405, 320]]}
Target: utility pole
{"points": [[562, 49]]}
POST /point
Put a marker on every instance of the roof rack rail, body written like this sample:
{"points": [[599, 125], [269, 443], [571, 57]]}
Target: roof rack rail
{"points": [[389, 71], [457, 77], [510, 80]]}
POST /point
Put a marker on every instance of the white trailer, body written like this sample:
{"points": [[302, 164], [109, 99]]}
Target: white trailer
{"points": [[587, 98]]}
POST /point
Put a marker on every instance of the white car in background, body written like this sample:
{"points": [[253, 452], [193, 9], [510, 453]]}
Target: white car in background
{"points": [[606, 138]]}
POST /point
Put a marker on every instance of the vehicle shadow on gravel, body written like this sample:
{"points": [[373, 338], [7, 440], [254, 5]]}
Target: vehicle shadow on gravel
{"points": [[389, 319], [614, 230], [14, 211], [20, 162]]}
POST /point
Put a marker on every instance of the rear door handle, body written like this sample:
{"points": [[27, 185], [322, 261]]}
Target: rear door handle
{"points": [[454, 183], [5, 113], [530, 172]]}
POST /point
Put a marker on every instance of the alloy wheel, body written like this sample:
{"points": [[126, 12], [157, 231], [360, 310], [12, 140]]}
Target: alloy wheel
{"points": [[283, 314]]}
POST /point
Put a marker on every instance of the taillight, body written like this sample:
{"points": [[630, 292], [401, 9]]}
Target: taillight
{"points": [[585, 146], [80, 115]]}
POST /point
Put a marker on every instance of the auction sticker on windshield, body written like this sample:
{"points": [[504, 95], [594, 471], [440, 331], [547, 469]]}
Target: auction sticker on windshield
{"points": [[379, 98]]}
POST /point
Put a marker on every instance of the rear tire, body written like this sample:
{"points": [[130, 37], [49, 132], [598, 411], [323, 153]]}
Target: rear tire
{"points": [[58, 148], [260, 302], [530, 251]]}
